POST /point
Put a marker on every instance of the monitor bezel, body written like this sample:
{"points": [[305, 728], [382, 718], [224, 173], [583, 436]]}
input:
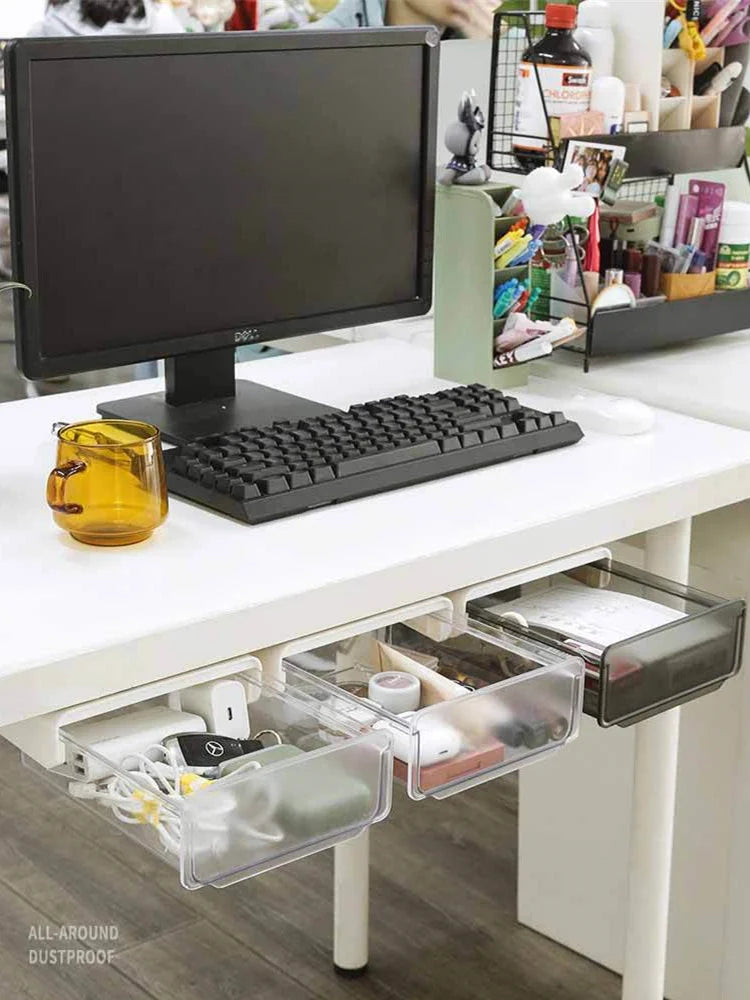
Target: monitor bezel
{"points": [[19, 57]]}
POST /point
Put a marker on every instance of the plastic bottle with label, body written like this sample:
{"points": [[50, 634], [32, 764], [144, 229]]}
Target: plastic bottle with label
{"points": [[565, 75], [608, 96], [734, 248], [595, 35]]}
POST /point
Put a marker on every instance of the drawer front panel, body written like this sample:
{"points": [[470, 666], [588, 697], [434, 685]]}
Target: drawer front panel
{"points": [[489, 702], [656, 672]]}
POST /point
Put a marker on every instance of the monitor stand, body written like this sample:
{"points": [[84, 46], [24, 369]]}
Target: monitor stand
{"points": [[203, 398]]}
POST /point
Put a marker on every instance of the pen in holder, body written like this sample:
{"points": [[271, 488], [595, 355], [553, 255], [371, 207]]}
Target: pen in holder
{"points": [[565, 250]]}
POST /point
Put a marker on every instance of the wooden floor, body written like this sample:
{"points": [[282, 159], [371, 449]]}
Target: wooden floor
{"points": [[442, 924]]}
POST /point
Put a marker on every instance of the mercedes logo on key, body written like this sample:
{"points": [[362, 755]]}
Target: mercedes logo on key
{"points": [[214, 749]]}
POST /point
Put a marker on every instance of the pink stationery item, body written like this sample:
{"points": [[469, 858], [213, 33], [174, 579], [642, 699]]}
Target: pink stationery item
{"points": [[719, 16], [592, 260], [710, 196], [687, 212], [735, 31]]}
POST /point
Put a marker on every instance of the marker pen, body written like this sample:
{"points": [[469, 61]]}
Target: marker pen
{"points": [[507, 242], [633, 267], [687, 211], [669, 219], [698, 263], [651, 272]]}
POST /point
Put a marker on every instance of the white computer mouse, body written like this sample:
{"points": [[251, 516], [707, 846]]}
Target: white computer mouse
{"points": [[611, 415]]}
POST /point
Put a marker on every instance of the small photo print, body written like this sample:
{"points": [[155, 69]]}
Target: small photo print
{"points": [[596, 160]]}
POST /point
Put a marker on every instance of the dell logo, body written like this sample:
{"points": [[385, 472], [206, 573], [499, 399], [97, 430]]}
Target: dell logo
{"points": [[245, 336]]}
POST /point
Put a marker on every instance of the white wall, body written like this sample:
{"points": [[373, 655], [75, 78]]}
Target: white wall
{"points": [[17, 16], [464, 65]]}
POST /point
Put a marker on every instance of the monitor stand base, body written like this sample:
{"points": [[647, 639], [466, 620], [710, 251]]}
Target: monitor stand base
{"points": [[252, 405]]}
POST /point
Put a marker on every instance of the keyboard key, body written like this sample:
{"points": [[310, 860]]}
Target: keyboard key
{"points": [[479, 423], [322, 474], [277, 469], [298, 480], [225, 464], [436, 405], [450, 444], [471, 439], [245, 491], [384, 459], [273, 485]]}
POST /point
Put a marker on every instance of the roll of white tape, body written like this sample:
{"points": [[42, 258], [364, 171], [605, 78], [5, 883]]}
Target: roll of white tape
{"points": [[395, 691]]}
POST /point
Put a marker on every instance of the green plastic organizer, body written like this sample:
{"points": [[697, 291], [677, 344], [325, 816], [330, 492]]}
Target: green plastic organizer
{"points": [[466, 230]]}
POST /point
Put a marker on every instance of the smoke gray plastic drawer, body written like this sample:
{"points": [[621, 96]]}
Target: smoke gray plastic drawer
{"points": [[489, 701], [331, 781], [688, 643]]}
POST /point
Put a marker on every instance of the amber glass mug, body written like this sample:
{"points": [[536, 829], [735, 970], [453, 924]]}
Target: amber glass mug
{"points": [[109, 487]]}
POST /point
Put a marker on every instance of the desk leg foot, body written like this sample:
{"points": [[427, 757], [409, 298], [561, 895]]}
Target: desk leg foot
{"points": [[351, 900], [351, 973], [652, 822]]}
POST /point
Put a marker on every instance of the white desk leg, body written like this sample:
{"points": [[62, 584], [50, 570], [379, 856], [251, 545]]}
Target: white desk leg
{"points": [[652, 823], [351, 902]]}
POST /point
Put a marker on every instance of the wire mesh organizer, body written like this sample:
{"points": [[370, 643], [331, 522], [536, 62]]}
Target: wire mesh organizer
{"points": [[514, 36], [654, 159]]}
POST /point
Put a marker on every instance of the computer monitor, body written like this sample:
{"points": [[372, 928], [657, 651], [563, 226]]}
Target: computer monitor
{"points": [[174, 197]]}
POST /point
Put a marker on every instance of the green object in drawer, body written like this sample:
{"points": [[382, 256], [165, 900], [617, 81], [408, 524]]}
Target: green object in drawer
{"points": [[323, 798]]}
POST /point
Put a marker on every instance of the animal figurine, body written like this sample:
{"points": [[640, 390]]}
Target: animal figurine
{"points": [[211, 14], [548, 195], [463, 139]]}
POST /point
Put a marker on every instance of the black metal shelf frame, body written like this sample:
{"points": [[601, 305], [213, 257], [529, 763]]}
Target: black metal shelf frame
{"points": [[654, 159]]}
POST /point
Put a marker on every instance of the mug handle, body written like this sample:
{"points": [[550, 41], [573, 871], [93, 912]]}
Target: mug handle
{"points": [[56, 488]]}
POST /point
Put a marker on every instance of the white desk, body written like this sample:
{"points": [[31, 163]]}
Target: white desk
{"points": [[708, 957], [79, 623], [706, 379]]}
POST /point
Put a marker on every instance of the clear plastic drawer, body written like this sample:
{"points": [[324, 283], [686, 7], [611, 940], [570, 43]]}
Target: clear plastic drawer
{"points": [[322, 780], [650, 644], [489, 701]]}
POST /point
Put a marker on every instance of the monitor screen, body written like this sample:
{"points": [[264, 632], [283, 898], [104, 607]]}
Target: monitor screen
{"points": [[180, 194]]}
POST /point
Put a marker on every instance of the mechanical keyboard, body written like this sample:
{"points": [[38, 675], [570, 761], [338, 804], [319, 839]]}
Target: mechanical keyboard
{"points": [[258, 474]]}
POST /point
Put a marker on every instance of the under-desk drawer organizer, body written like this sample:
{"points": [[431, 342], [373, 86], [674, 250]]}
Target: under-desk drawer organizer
{"points": [[335, 783], [688, 645], [491, 702]]}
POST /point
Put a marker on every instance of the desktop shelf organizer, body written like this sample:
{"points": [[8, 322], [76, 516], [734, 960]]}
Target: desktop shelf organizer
{"points": [[688, 142]]}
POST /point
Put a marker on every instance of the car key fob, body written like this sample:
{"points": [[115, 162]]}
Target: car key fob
{"points": [[201, 750]]}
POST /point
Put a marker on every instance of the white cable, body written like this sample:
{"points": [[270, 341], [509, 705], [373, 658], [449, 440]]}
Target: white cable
{"points": [[164, 777]]}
